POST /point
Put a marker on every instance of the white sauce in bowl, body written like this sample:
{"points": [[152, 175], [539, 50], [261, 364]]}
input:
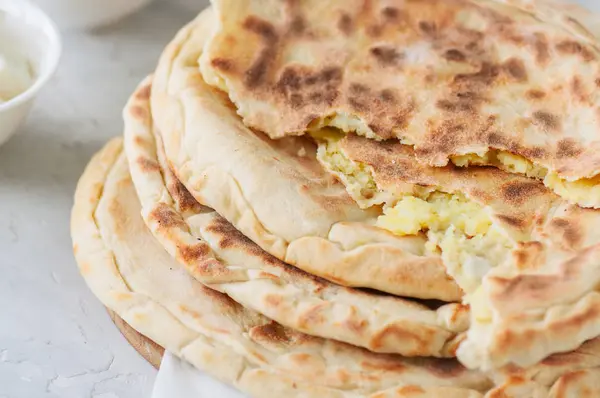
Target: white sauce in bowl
{"points": [[16, 75]]}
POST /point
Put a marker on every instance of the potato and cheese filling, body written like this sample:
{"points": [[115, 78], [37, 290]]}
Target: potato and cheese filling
{"points": [[459, 229], [585, 192], [357, 178], [469, 242], [437, 212]]}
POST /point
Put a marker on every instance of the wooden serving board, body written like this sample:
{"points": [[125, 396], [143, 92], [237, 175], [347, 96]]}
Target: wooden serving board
{"points": [[147, 348]]}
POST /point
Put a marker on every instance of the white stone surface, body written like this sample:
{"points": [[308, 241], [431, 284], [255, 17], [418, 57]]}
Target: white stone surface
{"points": [[56, 340]]}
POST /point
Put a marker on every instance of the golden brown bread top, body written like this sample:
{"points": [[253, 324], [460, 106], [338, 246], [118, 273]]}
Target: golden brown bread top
{"points": [[305, 221], [447, 76]]}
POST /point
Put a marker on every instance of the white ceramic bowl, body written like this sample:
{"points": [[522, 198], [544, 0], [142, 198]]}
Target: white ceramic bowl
{"points": [[34, 36], [85, 14]]}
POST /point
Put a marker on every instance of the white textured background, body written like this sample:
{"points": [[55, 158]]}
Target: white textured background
{"points": [[55, 338], [591, 4]]}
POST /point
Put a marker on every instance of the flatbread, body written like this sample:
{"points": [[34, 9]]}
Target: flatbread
{"points": [[539, 309], [542, 296], [515, 203], [275, 192], [218, 255], [545, 379], [576, 384], [448, 77], [133, 276], [220, 161]]}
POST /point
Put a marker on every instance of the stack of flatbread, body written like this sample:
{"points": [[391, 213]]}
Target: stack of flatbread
{"points": [[361, 198]]}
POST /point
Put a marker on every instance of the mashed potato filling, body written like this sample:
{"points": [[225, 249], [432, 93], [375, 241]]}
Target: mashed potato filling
{"points": [[585, 192], [461, 230], [458, 229], [357, 178]]}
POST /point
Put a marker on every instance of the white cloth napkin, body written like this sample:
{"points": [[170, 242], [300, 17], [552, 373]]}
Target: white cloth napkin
{"points": [[177, 378]]}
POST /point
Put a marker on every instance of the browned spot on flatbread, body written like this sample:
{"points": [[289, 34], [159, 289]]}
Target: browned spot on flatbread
{"points": [[455, 55], [357, 327], [396, 332], [578, 89], [147, 165], [501, 391], [183, 197], [139, 112], [390, 13], [208, 267], [141, 141], [410, 390], [386, 55], [534, 94], [375, 106], [457, 105], [313, 315], [443, 138], [531, 153], [542, 49], [261, 27], [448, 368], [497, 140], [486, 75], [388, 363], [519, 192], [275, 334], [298, 26], [166, 217], [301, 358], [569, 232], [460, 310], [257, 73], [387, 95], [374, 30], [188, 311], [345, 24], [568, 148], [528, 256], [226, 243], [512, 221], [562, 359], [516, 69], [222, 64], [428, 28], [547, 120], [144, 93], [146, 144], [302, 87], [570, 47], [191, 254], [273, 300], [230, 237]]}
